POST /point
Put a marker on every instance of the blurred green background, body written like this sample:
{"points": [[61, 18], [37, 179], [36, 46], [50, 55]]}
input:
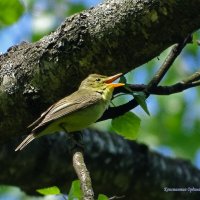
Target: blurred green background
{"points": [[173, 128]]}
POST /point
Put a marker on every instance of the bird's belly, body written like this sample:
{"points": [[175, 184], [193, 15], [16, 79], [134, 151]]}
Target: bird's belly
{"points": [[77, 120]]}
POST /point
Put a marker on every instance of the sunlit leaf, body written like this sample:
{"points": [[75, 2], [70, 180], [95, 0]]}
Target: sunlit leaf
{"points": [[127, 125], [75, 191], [49, 191], [11, 11], [102, 197]]}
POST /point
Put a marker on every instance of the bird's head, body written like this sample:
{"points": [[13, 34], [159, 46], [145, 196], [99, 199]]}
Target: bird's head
{"points": [[99, 82]]}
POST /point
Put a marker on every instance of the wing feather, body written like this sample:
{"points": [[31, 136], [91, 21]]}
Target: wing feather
{"points": [[68, 105], [39, 120]]}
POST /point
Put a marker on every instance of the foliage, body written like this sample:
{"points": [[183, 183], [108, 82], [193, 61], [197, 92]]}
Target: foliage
{"points": [[102, 197], [11, 11], [54, 12], [140, 97], [75, 191], [49, 191], [127, 125]]}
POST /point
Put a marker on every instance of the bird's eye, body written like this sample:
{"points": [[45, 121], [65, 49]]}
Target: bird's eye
{"points": [[98, 79]]}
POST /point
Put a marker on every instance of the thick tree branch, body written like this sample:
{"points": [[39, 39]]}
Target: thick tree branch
{"points": [[117, 166], [116, 36]]}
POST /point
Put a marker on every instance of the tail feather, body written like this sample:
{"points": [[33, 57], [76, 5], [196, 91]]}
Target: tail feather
{"points": [[26, 141]]}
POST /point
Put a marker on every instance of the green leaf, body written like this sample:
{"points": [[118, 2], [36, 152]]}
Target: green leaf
{"points": [[75, 191], [11, 11], [122, 79], [49, 191], [127, 125], [102, 197], [141, 100]]}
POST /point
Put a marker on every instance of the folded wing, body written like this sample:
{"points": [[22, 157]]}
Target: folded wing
{"points": [[68, 105]]}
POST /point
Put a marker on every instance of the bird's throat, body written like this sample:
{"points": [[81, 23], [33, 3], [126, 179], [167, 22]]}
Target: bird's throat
{"points": [[107, 94]]}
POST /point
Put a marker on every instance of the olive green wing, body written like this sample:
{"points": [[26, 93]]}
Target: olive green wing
{"points": [[75, 102]]}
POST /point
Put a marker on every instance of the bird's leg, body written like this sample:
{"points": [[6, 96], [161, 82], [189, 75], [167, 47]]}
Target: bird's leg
{"points": [[75, 138]]}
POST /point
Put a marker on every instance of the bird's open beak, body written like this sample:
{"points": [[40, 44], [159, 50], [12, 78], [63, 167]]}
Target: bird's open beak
{"points": [[110, 80]]}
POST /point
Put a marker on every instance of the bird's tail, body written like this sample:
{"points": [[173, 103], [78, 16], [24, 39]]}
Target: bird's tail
{"points": [[26, 141]]}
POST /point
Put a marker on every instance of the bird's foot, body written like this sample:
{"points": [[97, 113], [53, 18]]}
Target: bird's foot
{"points": [[75, 139]]}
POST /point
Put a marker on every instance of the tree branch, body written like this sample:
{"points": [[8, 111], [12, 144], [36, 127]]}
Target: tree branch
{"points": [[176, 50], [118, 167], [83, 175], [76, 147], [194, 78], [162, 90]]}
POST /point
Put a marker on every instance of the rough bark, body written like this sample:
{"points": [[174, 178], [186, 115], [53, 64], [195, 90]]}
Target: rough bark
{"points": [[116, 36], [117, 167]]}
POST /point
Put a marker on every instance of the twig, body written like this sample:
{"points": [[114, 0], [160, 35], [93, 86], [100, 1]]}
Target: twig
{"points": [[176, 50], [194, 77], [176, 88], [190, 82], [172, 89], [113, 112], [80, 166], [117, 197]]}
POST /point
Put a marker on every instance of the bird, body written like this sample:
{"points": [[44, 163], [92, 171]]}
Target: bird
{"points": [[76, 111]]}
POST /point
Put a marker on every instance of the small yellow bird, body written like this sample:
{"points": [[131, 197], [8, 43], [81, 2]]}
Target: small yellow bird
{"points": [[76, 111]]}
